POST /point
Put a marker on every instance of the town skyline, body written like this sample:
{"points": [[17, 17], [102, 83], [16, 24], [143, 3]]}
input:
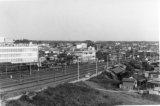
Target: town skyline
{"points": [[104, 20]]}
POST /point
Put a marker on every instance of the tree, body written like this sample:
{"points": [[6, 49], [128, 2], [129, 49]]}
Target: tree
{"points": [[135, 64], [99, 55], [102, 56], [147, 67], [90, 43], [22, 41], [41, 53]]}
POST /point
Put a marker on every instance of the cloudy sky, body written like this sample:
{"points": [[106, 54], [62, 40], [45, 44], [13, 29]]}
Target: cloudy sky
{"points": [[80, 19]]}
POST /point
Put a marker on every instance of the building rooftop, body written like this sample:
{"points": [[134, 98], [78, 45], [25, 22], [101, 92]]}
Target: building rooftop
{"points": [[118, 69], [128, 79], [16, 45], [155, 81]]}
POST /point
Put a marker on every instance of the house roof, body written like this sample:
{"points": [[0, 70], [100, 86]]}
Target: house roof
{"points": [[155, 81], [139, 77], [118, 70], [137, 70], [128, 80], [154, 72], [156, 69]]}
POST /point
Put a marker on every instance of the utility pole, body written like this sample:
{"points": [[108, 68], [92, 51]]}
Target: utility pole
{"points": [[6, 70], [30, 68], [65, 69], [96, 67], [38, 64], [118, 59], [78, 69], [107, 62], [133, 54], [38, 70], [21, 69]]}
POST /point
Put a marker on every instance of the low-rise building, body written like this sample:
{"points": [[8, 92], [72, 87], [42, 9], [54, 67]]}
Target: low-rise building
{"points": [[152, 74], [128, 83], [118, 69], [153, 86]]}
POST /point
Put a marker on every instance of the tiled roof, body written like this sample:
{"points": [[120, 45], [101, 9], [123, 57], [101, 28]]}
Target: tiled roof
{"points": [[139, 77], [117, 69], [128, 79]]}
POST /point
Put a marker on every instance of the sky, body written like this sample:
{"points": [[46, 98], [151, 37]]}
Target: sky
{"points": [[105, 20]]}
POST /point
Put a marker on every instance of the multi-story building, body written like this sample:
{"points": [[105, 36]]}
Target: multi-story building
{"points": [[86, 55], [18, 53]]}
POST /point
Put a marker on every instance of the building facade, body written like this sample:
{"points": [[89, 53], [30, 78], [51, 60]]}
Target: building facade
{"points": [[81, 46], [20, 53], [86, 54]]}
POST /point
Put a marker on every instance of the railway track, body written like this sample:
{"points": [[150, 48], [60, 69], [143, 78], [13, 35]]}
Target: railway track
{"points": [[43, 84], [26, 72], [46, 74], [47, 80], [45, 77]]}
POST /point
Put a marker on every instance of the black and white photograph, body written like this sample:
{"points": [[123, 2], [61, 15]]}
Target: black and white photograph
{"points": [[79, 52]]}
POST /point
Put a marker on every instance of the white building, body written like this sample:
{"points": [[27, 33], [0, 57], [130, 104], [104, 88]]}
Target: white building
{"points": [[6, 40], [81, 46], [2, 39], [20, 53], [86, 54]]}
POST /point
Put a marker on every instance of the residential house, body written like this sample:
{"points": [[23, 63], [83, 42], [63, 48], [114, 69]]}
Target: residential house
{"points": [[128, 83], [153, 74], [154, 86], [118, 69], [153, 83], [141, 81]]}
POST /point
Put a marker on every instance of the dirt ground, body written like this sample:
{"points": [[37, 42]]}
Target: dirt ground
{"points": [[126, 97]]}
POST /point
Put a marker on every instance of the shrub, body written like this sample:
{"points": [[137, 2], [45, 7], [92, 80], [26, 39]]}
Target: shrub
{"points": [[65, 95], [151, 97]]}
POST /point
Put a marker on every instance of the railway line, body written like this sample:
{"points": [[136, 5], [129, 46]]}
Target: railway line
{"points": [[42, 73], [44, 81], [18, 73], [50, 78], [44, 77]]}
